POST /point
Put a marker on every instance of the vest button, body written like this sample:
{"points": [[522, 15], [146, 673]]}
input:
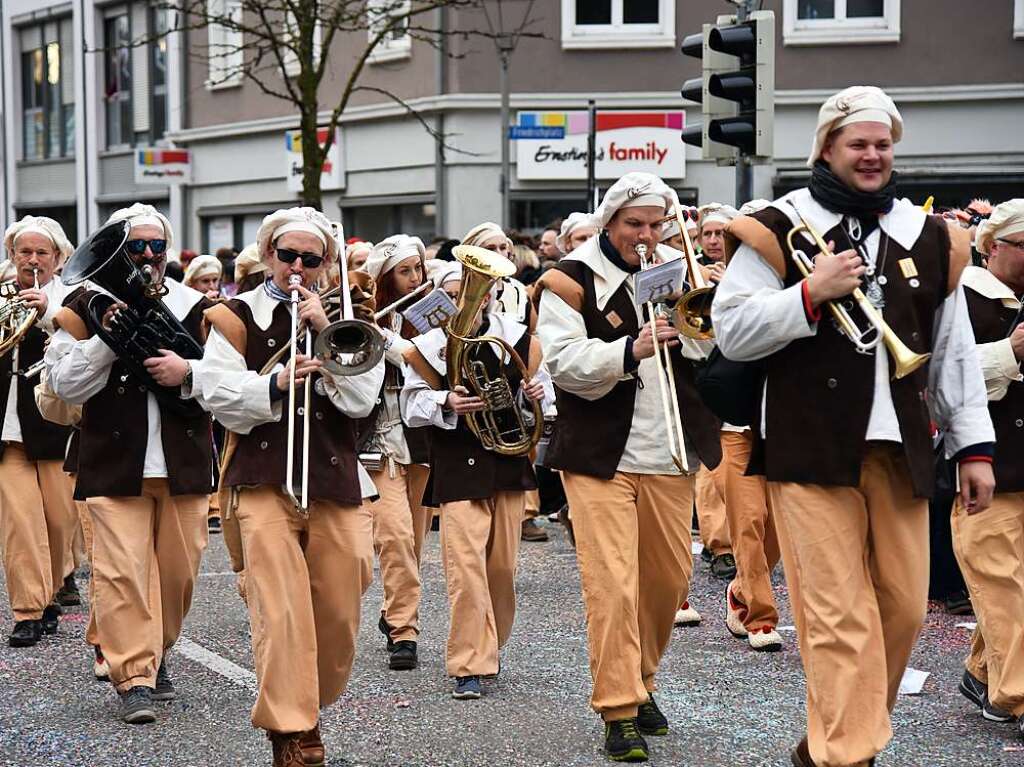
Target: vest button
{"points": [[120, 390], [188, 432], [832, 383], [300, 411], [319, 416], [471, 461], [124, 378], [263, 445], [271, 343], [142, 388], [334, 460], [117, 435], [1019, 422]]}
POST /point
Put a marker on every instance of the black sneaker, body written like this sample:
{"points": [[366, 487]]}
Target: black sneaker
{"points": [[137, 706], [650, 720], [68, 595], [959, 603], [25, 633], [213, 524], [993, 714], [623, 742], [164, 686], [723, 567], [51, 618], [706, 555], [973, 689], [385, 629], [403, 656]]}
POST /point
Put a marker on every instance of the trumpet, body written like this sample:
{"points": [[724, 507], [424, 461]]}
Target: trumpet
{"points": [[666, 379], [692, 313], [904, 359], [16, 319]]}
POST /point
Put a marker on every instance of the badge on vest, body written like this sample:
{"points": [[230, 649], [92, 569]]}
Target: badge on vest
{"points": [[908, 267], [613, 319]]}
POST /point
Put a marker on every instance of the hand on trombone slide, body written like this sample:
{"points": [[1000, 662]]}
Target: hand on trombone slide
{"points": [[311, 310], [643, 346], [304, 366], [834, 276]]}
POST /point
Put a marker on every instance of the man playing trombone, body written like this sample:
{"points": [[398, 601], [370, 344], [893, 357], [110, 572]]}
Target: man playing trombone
{"points": [[845, 438], [630, 433], [308, 553]]}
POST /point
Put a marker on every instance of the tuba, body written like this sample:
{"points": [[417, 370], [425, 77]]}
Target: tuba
{"points": [[146, 325], [16, 318], [501, 427]]}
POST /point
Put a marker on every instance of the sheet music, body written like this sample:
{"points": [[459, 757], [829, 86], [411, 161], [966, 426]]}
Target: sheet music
{"points": [[659, 282], [431, 311]]}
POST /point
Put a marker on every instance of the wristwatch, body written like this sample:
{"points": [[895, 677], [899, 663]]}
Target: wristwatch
{"points": [[186, 382]]}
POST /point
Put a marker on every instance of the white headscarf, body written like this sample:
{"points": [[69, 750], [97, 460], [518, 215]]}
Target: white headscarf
{"points": [[856, 104], [47, 227], [634, 190], [573, 222], [389, 253], [141, 214], [202, 266], [1007, 218], [715, 211], [300, 219]]}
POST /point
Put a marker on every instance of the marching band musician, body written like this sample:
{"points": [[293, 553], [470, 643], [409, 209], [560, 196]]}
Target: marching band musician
{"points": [[576, 229], [305, 573], [847, 453], [631, 505], [482, 494], [37, 515], [400, 519], [204, 274], [148, 509], [989, 547]]}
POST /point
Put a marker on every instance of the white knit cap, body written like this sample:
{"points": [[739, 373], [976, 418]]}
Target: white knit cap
{"points": [[1007, 218], [571, 223], [856, 104], [389, 253], [633, 190], [141, 214], [202, 266], [47, 227], [302, 219], [715, 211]]}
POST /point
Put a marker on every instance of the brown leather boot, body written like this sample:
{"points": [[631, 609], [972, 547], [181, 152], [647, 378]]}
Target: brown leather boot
{"points": [[313, 752], [287, 752]]}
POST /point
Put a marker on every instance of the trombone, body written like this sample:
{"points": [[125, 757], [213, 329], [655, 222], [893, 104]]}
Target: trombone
{"points": [[302, 504], [905, 361], [692, 313], [666, 379]]}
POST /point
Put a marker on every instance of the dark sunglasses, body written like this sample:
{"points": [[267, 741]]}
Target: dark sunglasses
{"points": [[309, 260], [138, 247]]}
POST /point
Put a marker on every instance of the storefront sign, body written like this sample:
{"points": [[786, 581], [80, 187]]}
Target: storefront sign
{"points": [[163, 166], [626, 141], [333, 174]]}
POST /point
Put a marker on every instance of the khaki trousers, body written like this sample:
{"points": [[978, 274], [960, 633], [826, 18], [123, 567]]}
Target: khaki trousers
{"points": [[990, 549], [139, 543], [856, 561], [85, 522], [304, 580], [479, 545], [711, 515], [400, 523], [37, 521], [633, 549], [752, 530]]}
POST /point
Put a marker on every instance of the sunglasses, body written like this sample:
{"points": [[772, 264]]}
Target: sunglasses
{"points": [[138, 247], [1010, 243], [309, 260]]}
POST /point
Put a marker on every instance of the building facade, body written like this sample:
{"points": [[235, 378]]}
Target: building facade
{"points": [[81, 122]]}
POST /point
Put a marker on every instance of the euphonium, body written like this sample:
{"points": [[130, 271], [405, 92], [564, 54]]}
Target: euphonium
{"points": [[16, 318], [501, 427]]}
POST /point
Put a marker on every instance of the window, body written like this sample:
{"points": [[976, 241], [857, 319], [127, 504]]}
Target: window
{"points": [[823, 22], [157, 49], [291, 58], [396, 43], [135, 95], [117, 95], [618, 23], [225, 44], [1018, 19], [47, 91]]}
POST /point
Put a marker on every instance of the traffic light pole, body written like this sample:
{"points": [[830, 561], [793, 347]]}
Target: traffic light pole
{"points": [[744, 168]]}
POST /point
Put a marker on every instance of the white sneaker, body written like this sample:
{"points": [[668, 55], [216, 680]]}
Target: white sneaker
{"points": [[100, 667], [735, 612], [765, 640], [687, 616]]}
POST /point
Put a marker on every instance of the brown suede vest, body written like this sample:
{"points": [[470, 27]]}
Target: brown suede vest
{"points": [[460, 469], [590, 435], [42, 440], [992, 321], [261, 456], [820, 389], [114, 429]]}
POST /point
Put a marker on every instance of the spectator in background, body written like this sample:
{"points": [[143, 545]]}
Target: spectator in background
{"points": [[183, 258], [227, 256], [548, 248], [174, 271], [527, 264], [444, 253], [435, 245]]}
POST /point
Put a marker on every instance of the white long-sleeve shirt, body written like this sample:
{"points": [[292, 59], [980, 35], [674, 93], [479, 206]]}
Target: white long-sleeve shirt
{"points": [[78, 370], [999, 364], [755, 316], [590, 368], [56, 291]]}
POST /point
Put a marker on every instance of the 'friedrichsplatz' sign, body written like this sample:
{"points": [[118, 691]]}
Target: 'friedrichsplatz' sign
{"points": [[626, 141]]}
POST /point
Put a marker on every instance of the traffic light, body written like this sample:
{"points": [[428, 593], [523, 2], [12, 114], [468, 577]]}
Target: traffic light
{"points": [[737, 86]]}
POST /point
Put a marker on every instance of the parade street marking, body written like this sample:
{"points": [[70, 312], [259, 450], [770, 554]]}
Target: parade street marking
{"points": [[243, 677]]}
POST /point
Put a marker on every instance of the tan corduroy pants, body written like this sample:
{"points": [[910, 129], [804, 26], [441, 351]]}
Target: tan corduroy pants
{"points": [[154, 537], [37, 520], [633, 549], [85, 522], [752, 530], [400, 523], [479, 546], [711, 515], [856, 561], [990, 549], [304, 580]]}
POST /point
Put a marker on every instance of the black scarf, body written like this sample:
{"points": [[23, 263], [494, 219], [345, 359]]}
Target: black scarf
{"points": [[831, 193], [609, 252]]}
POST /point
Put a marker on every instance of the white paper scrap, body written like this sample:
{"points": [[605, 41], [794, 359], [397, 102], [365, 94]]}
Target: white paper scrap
{"points": [[913, 681], [970, 626], [786, 628], [696, 547]]}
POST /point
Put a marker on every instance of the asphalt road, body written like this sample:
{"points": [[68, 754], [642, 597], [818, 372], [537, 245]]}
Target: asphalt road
{"points": [[727, 705]]}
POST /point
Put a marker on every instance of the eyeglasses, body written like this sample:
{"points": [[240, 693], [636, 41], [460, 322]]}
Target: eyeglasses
{"points": [[138, 247], [309, 260], [1016, 245]]}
